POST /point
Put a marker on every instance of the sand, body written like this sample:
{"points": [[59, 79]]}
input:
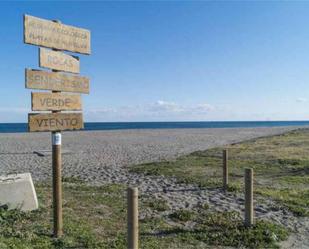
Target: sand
{"points": [[103, 156]]}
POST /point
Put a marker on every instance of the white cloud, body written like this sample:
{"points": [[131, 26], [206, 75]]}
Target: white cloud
{"points": [[160, 110], [171, 107], [165, 106], [204, 108], [103, 110], [301, 100]]}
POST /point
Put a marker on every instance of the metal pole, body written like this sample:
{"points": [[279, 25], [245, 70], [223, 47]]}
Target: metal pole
{"points": [[132, 196], [225, 169], [248, 197], [57, 176]]}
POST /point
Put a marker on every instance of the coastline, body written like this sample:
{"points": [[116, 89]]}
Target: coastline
{"points": [[105, 126]]}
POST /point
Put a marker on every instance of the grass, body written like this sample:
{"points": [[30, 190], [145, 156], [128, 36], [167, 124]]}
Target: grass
{"points": [[227, 229], [296, 201], [280, 163], [224, 229], [95, 217], [84, 211], [157, 204], [182, 215]]}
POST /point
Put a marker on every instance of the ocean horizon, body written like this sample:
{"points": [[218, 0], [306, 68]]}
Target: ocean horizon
{"points": [[92, 126]]}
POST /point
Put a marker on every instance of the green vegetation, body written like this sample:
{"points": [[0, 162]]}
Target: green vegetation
{"points": [[296, 201], [95, 217], [182, 215], [227, 229], [280, 163], [156, 204], [85, 211], [187, 169], [211, 230]]}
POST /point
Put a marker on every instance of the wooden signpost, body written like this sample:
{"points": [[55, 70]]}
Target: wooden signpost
{"points": [[57, 36]]}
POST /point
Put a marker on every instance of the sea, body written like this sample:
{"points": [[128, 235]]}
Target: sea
{"points": [[97, 126]]}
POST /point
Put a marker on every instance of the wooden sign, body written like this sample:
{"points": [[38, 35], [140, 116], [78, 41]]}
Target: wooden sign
{"points": [[55, 102], [36, 79], [53, 34], [58, 61], [50, 34], [55, 121]]}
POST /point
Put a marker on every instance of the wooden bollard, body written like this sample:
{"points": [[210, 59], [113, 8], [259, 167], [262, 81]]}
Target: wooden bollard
{"points": [[249, 197], [132, 196], [57, 176], [225, 169]]}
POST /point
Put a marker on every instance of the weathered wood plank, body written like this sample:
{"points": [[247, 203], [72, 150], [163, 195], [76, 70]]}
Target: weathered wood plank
{"points": [[36, 79], [55, 121], [55, 102], [58, 61], [50, 34]]}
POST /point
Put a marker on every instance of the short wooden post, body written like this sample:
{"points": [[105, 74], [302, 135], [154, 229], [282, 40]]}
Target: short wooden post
{"points": [[132, 196], [225, 169], [249, 197]]}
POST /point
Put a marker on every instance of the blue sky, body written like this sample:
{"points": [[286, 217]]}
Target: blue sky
{"points": [[172, 61]]}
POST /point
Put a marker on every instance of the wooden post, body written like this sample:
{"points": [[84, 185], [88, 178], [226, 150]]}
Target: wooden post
{"points": [[57, 177], [248, 197], [132, 196], [57, 185], [225, 169]]}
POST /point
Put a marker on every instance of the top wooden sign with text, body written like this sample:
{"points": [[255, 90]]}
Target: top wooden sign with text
{"points": [[50, 34]]}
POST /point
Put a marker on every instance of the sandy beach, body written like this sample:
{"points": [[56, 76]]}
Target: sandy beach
{"points": [[100, 157]]}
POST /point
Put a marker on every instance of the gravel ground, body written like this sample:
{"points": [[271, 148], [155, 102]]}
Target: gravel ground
{"points": [[102, 156]]}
